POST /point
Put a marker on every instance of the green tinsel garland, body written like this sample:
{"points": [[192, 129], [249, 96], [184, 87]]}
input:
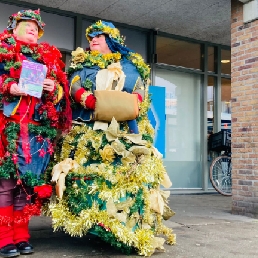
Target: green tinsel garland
{"points": [[32, 180], [45, 131], [110, 238], [138, 202], [8, 167], [78, 197]]}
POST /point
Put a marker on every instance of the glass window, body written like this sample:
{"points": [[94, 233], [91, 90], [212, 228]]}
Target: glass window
{"points": [[210, 104], [225, 61], [66, 58], [59, 30], [178, 52], [211, 59], [210, 119], [225, 104], [182, 158]]}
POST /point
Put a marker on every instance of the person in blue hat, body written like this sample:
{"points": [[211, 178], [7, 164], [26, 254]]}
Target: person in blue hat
{"points": [[28, 126], [104, 38], [108, 172]]}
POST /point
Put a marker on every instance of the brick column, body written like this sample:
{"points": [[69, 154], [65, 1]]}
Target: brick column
{"points": [[244, 93]]}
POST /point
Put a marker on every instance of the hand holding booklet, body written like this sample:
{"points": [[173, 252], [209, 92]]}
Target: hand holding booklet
{"points": [[32, 78]]}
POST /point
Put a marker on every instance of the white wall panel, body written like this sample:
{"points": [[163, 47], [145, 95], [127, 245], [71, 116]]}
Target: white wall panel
{"points": [[59, 30]]}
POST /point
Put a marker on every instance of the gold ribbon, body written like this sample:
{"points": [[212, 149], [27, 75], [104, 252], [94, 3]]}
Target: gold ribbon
{"points": [[113, 133], [159, 203], [118, 211], [59, 173], [106, 77], [128, 156]]}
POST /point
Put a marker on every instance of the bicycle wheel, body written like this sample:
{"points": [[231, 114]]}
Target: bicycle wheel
{"points": [[220, 175]]}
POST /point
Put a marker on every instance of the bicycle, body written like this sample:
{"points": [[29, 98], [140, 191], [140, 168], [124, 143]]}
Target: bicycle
{"points": [[221, 166]]}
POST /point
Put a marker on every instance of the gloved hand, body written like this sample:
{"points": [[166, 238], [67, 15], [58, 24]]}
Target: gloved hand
{"points": [[88, 102]]}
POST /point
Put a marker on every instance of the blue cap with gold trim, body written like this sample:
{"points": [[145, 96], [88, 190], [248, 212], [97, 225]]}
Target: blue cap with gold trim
{"points": [[103, 27]]}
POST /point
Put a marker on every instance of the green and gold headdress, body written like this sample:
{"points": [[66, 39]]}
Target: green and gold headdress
{"points": [[33, 15], [103, 27]]}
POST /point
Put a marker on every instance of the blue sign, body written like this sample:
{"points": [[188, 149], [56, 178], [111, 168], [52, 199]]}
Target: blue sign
{"points": [[157, 116]]}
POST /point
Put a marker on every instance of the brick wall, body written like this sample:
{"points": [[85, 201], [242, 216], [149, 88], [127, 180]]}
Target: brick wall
{"points": [[244, 94]]}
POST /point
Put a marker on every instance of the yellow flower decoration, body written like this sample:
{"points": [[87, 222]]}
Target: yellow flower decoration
{"points": [[92, 58], [107, 154], [78, 56], [94, 53]]}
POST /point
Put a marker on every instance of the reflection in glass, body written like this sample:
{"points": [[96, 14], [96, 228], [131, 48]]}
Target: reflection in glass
{"points": [[210, 118], [225, 61], [178, 52], [226, 104], [210, 104], [182, 127]]}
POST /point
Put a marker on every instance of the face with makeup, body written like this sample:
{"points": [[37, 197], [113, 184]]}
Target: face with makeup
{"points": [[98, 43], [27, 31]]}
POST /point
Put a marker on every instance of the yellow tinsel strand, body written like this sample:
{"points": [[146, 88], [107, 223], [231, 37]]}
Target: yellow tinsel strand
{"points": [[168, 232]]}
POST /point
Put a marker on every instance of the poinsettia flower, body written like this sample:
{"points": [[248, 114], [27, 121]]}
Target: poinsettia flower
{"points": [[50, 151], [15, 158], [39, 138], [42, 153], [19, 182]]}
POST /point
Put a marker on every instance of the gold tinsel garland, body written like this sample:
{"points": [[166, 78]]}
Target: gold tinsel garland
{"points": [[142, 239], [147, 171]]}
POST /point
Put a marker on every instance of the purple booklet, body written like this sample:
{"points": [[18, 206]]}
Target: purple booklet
{"points": [[32, 77]]}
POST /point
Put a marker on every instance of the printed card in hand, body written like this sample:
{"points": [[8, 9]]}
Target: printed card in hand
{"points": [[32, 78]]}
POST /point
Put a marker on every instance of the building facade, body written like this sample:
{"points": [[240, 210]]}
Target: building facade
{"points": [[196, 76], [244, 32]]}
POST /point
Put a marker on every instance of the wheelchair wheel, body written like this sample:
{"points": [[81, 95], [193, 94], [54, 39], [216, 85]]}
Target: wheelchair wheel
{"points": [[220, 175]]}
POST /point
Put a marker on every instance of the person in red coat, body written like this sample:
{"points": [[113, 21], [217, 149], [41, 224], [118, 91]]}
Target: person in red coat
{"points": [[28, 127]]}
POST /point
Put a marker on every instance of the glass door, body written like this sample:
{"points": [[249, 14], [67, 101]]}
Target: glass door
{"points": [[182, 158]]}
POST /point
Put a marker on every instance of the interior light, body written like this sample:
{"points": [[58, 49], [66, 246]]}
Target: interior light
{"points": [[225, 61]]}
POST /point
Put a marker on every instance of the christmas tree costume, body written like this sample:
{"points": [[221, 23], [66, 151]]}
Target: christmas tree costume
{"points": [[108, 175]]}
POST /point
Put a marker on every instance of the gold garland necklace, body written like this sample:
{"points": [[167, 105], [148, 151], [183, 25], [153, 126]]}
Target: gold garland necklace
{"points": [[80, 58]]}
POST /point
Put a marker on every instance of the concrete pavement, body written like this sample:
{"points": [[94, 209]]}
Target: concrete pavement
{"points": [[203, 224]]}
